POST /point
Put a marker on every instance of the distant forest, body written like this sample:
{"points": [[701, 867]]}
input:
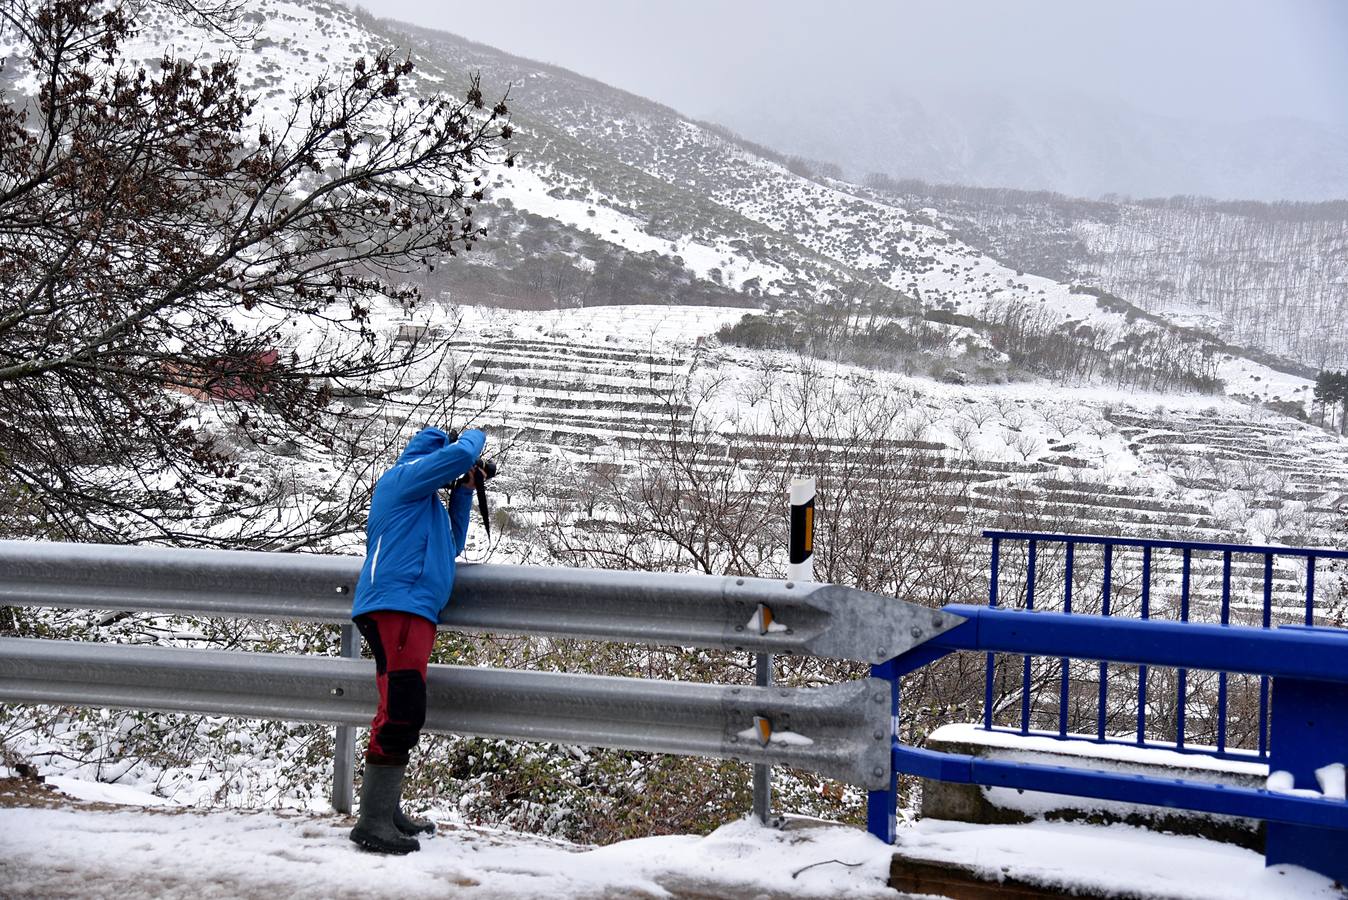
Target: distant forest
{"points": [[1267, 275]]}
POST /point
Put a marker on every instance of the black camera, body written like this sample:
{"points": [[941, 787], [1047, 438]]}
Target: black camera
{"points": [[486, 466]]}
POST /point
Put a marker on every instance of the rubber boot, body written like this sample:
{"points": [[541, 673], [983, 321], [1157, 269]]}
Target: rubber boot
{"points": [[411, 825], [379, 794]]}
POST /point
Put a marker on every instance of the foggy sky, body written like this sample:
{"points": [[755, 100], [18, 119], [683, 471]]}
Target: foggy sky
{"points": [[1218, 60]]}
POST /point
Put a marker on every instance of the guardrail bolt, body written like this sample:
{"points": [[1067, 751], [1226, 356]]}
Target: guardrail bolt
{"points": [[739, 581], [337, 692], [879, 735], [790, 585], [878, 772], [916, 632]]}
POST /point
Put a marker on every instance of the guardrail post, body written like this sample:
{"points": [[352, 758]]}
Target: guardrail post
{"points": [[762, 773], [344, 757], [1310, 728], [882, 807]]}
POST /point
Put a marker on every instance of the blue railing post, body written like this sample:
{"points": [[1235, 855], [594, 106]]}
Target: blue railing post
{"points": [[1221, 676], [991, 664], [1183, 673], [1142, 670], [1309, 731], [1029, 604], [1064, 662], [882, 807], [1310, 590], [1263, 679], [1105, 593]]}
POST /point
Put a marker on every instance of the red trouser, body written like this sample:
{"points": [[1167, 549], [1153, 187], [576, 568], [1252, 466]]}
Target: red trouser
{"points": [[401, 643]]}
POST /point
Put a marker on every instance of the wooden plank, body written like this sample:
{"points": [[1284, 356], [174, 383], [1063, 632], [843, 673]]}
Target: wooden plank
{"points": [[958, 882]]}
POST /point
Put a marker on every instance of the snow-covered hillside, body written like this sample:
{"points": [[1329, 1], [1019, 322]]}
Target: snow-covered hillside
{"points": [[620, 200], [1268, 275]]}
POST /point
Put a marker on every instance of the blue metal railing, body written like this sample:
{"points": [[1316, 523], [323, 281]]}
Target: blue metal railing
{"points": [[1034, 544], [1306, 828]]}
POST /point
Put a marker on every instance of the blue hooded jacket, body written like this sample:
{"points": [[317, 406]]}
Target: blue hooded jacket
{"points": [[410, 540]]}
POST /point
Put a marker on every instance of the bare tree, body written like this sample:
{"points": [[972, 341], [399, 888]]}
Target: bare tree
{"points": [[150, 240]]}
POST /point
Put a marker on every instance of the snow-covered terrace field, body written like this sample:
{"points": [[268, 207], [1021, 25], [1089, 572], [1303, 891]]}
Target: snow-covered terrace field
{"points": [[1201, 467]]}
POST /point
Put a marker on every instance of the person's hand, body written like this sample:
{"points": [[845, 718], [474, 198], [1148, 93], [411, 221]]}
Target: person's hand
{"points": [[472, 478]]}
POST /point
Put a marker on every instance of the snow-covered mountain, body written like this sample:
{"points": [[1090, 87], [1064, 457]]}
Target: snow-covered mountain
{"points": [[621, 200], [617, 200]]}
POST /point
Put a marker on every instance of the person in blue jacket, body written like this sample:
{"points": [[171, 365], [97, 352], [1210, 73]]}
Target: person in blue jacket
{"points": [[410, 548]]}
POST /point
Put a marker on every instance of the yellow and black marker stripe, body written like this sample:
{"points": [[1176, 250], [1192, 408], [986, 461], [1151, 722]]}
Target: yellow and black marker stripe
{"points": [[802, 530]]}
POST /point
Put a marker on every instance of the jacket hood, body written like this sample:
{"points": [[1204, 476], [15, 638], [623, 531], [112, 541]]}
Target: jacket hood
{"points": [[423, 443]]}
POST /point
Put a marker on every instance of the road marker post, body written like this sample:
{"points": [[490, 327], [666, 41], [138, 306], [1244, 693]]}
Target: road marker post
{"points": [[800, 568]]}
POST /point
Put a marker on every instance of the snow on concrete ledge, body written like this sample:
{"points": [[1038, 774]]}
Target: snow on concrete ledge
{"points": [[1113, 860], [1047, 742]]}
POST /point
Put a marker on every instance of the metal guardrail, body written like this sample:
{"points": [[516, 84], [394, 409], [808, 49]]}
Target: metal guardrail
{"points": [[840, 731], [1185, 553], [844, 731], [685, 610]]}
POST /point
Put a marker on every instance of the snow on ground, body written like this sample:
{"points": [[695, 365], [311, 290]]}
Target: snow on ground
{"points": [[98, 792], [1130, 861], [596, 215], [131, 852], [654, 327]]}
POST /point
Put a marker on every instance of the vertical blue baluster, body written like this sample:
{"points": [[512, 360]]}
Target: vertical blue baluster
{"points": [[1029, 605], [1310, 590], [1142, 670], [1263, 679], [992, 601], [1221, 677], [1066, 668], [1104, 667], [1183, 673]]}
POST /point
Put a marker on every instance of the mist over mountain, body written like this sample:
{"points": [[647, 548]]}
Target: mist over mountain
{"points": [[1085, 146]]}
